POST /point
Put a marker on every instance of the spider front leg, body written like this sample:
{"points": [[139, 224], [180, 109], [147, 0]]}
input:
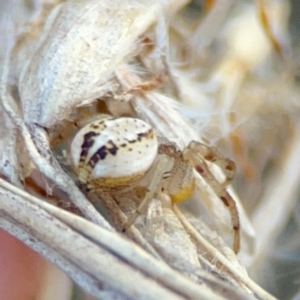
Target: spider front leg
{"points": [[226, 165], [65, 131], [197, 153], [154, 176]]}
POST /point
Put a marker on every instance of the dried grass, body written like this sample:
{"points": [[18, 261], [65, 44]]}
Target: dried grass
{"points": [[228, 77]]}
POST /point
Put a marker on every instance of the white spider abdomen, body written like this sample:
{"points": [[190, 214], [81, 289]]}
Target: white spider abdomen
{"points": [[113, 151]]}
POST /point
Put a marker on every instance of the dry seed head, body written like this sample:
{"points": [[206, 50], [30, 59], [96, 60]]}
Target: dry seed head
{"points": [[86, 42], [113, 151]]}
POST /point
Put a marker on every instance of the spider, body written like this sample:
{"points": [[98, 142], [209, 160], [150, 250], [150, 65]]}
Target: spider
{"points": [[119, 154]]}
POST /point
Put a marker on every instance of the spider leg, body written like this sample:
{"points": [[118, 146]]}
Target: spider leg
{"points": [[156, 174], [62, 135], [68, 129], [193, 153], [146, 86], [209, 154]]}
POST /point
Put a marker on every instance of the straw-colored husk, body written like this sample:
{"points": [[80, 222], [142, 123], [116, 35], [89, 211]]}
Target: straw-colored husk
{"points": [[220, 72]]}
